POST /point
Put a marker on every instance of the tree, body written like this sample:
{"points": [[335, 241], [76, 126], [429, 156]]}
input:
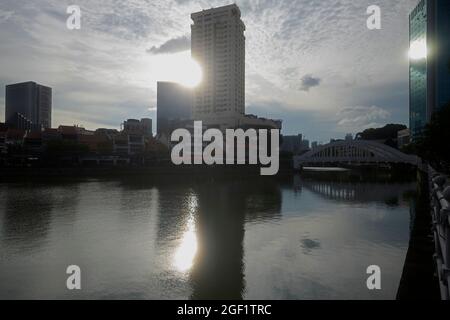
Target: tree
{"points": [[388, 132], [434, 145], [156, 150]]}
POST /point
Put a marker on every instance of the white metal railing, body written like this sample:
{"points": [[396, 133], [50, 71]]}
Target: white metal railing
{"points": [[440, 210]]}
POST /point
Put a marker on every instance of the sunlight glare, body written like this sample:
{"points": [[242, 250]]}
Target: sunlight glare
{"points": [[186, 252], [178, 67], [418, 50]]}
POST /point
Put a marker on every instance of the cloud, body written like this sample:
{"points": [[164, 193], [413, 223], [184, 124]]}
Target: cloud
{"points": [[5, 15], [110, 55], [361, 117], [309, 82], [173, 45]]}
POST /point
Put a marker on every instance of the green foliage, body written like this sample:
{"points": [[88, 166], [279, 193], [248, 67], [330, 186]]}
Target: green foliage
{"points": [[434, 145], [387, 133], [155, 149], [409, 149]]}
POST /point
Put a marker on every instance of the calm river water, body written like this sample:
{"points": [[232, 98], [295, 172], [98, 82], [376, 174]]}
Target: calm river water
{"points": [[309, 237]]}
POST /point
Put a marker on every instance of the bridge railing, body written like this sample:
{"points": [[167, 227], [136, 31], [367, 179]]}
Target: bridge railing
{"points": [[440, 210]]}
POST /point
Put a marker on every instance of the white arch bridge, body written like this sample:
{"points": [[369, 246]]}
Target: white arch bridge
{"points": [[355, 152]]}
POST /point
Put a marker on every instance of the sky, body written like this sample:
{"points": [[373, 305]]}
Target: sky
{"points": [[313, 64]]}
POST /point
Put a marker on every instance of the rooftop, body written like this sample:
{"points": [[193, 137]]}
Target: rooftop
{"points": [[216, 10]]}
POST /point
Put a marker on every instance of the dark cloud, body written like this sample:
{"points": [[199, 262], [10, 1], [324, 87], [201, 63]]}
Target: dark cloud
{"points": [[310, 244], [173, 45], [309, 82]]}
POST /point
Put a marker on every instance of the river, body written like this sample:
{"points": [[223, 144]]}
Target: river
{"points": [[305, 237]]}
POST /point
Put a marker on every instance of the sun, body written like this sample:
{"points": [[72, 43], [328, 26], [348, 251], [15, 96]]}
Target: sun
{"points": [[178, 67], [418, 50]]}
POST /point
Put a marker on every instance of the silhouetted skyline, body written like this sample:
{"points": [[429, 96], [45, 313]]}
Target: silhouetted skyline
{"points": [[313, 64]]}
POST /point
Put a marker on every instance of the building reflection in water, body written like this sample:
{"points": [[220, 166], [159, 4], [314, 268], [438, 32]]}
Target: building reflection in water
{"points": [[222, 212], [207, 221], [218, 272], [359, 192], [28, 213]]}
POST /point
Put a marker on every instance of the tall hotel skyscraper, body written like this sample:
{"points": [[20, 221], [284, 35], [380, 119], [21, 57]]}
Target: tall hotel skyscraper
{"points": [[429, 72], [218, 45]]}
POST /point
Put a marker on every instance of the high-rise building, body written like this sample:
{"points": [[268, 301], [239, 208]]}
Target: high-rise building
{"points": [[141, 127], [218, 45], [305, 145], [429, 75], [292, 144], [174, 106], [28, 106]]}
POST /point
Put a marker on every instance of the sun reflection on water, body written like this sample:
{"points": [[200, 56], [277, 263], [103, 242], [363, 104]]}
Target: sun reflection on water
{"points": [[186, 251]]}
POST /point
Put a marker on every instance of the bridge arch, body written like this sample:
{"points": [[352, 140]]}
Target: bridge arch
{"points": [[354, 152]]}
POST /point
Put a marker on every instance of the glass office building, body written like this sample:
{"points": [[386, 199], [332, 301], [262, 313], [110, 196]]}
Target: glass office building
{"points": [[429, 74], [28, 106], [174, 106]]}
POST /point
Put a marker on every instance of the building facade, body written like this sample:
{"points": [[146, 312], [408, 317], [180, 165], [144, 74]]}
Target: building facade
{"points": [[429, 72], [174, 106], [141, 127], [28, 106], [292, 144], [218, 45]]}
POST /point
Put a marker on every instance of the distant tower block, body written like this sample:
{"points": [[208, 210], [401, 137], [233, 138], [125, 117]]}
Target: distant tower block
{"points": [[28, 106]]}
